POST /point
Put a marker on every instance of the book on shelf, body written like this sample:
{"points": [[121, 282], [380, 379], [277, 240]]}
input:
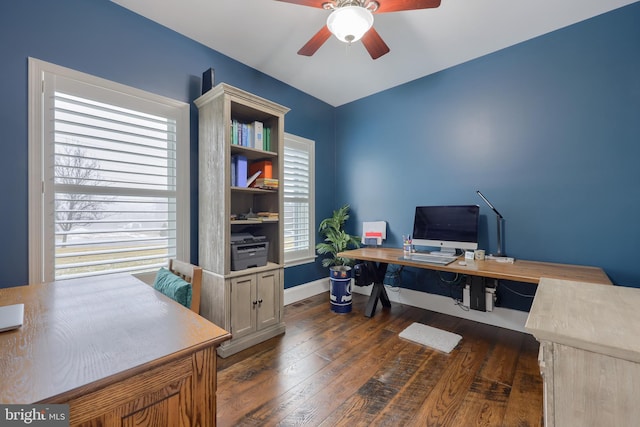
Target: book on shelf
{"points": [[268, 216], [252, 178], [267, 138], [239, 170], [264, 166], [266, 183], [234, 132], [246, 135], [257, 133], [239, 133], [250, 135], [233, 171]]}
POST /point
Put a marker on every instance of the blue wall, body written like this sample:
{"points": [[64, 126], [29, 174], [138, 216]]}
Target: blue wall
{"points": [[101, 38], [548, 130]]}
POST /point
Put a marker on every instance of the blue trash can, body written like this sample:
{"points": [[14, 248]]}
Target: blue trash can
{"points": [[340, 295]]}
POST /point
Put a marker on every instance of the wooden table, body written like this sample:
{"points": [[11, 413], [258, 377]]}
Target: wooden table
{"points": [[519, 271], [114, 349]]}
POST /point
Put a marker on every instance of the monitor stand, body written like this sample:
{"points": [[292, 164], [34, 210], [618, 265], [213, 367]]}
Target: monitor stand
{"points": [[444, 252]]}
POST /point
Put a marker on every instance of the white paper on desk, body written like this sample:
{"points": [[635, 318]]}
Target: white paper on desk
{"points": [[374, 229]]}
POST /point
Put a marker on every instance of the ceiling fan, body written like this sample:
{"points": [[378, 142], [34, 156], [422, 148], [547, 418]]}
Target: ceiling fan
{"points": [[352, 20]]}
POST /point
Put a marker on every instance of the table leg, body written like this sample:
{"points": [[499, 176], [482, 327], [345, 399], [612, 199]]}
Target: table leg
{"points": [[377, 270]]}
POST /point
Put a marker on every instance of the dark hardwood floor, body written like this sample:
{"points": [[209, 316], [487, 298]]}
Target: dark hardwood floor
{"points": [[349, 370]]}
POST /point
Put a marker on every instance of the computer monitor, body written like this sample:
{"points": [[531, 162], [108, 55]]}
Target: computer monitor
{"points": [[446, 227]]}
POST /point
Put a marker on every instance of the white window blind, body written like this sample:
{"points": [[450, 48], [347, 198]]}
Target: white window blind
{"points": [[112, 168], [299, 204]]}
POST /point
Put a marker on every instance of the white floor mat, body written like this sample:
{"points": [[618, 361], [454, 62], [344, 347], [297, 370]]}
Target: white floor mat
{"points": [[431, 337]]}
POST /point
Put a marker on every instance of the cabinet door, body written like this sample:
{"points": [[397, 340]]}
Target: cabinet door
{"points": [[593, 389], [243, 296], [268, 287]]}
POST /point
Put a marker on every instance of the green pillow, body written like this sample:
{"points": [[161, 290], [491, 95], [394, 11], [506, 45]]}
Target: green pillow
{"points": [[173, 286]]}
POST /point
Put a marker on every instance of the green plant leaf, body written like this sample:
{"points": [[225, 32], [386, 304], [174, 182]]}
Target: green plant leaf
{"points": [[335, 238]]}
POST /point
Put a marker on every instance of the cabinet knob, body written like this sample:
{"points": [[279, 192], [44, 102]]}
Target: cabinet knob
{"points": [[255, 302], [259, 301]]}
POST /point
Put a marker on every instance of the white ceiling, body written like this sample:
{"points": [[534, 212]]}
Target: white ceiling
{"points": [[266, 34]]}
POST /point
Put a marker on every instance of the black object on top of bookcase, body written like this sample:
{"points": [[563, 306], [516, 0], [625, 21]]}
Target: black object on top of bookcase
{"points": [[208, 80]]}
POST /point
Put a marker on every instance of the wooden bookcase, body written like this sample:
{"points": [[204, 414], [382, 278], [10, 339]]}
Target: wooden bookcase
{"points": [[248, 303]]}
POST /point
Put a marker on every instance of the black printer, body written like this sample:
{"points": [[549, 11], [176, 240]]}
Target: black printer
{"points": [[248, 251]]}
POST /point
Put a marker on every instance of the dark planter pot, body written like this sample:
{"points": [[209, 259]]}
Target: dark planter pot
{"points": [[340, 296]]}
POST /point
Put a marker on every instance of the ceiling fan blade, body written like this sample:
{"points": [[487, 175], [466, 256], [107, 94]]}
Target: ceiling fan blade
{"points": [[374, 44], [398, 5], [316, 41], [310, 3]]}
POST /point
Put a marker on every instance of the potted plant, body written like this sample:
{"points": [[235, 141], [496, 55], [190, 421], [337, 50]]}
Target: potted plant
{"points": [[335, 241]]}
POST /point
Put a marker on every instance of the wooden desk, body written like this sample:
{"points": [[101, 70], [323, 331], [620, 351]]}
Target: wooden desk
{"points": [[519, 271], [114, 349]]}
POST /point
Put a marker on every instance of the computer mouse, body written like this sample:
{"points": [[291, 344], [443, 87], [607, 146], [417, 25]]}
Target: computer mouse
{"points": [[462, 263]]}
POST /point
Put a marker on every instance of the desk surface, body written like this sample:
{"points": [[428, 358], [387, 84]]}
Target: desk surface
{"points": [[586, 316], [519, 271], [81, 334]]}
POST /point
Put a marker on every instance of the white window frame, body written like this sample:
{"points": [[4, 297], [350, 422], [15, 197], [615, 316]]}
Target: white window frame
{"points": [[41, 210], [308, 255]]}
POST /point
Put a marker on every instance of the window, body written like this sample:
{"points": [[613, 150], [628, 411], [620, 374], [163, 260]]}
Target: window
{"points": [[109, 176], [299, 201]]}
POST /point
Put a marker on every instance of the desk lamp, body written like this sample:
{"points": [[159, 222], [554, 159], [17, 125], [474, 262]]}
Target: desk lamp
{"points": [[499, 223]]}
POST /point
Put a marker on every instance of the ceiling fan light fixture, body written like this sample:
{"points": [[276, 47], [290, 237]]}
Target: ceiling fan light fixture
{"points": [[350, 23]]}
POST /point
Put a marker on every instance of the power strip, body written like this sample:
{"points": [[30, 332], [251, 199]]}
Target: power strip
{"points": [[466, 296], [490, 294]]}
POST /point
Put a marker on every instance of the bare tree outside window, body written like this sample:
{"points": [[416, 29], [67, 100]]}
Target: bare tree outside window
{"points": [[76, 209]]}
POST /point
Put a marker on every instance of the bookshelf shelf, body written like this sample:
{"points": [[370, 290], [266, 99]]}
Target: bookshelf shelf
{"points": [[253, 221], [253, 153], [253, 190]]}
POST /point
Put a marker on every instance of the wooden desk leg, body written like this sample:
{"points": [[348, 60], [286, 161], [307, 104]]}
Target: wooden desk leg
{"points": [[378, 292]]}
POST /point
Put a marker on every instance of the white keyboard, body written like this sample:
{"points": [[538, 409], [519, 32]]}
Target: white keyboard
{"points": [[433, 259]]}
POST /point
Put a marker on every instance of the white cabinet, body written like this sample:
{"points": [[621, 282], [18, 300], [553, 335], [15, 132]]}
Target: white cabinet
{"points": [[589, 353], [255, 302], [583, 388], [248, 303]]}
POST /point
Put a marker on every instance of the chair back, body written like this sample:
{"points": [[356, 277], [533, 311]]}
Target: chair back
{"points": [[192, 274]]}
